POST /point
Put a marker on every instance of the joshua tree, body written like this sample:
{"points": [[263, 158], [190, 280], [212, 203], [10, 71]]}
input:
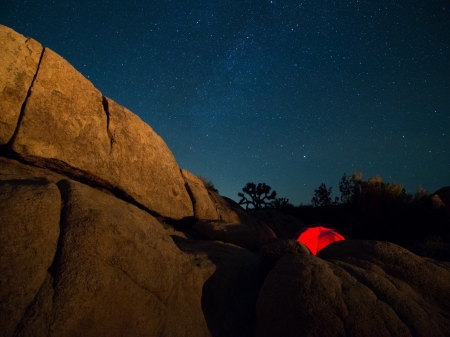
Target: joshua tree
{"points": [[260, 195]]}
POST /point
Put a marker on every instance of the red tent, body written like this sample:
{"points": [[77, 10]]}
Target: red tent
{"points": [[317, 237]]}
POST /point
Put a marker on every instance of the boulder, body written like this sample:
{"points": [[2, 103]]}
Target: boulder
{"points": [[63, 120], [19, 60], [228, 210], [272, 252], [441, 199], [142, 165], [30, 213], [251, 236], [230, 294], [12, 169], [67, 125], [357, 288], [203, 206], [114, 271]]}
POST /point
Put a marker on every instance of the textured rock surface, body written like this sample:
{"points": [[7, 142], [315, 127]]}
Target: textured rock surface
{"points": [[63, 119], [68, 126], [230, 294], [143, 166], [203, 206], [19, 60], [12, 169], [357, 288], [228, 210], [29, 230], [114, 272]]}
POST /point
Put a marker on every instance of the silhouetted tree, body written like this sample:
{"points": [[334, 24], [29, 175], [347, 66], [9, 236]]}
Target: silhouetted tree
{"points": [[351, 187], [260, 195], [322, 196], [281, 203]]}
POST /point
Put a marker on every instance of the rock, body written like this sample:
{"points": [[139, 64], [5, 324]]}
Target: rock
{"points": [[230, 294], [228, 210], [12, 169], [19, 59], [30, 213], [247, 236], [358, 288], [116, 272], [63, 120], [203, 206], [284, 226], [68, 126], [143, 165], [272, 252], [441, 199]]}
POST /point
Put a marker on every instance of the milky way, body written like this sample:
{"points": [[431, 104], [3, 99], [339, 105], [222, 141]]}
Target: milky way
{"points": [[289, 93]]}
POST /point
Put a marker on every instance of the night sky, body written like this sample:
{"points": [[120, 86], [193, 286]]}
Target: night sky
{"points": [[289, 93]]}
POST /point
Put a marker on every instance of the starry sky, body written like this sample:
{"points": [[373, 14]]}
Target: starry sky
{"points": [[288, 93]]}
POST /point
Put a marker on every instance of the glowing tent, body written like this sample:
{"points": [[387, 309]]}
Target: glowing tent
{"points": [[317, 237]]}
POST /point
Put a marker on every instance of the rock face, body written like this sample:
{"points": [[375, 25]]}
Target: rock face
{"points": [[230, 294], [441, 198], [76, 261], [67, 125], [272, 252], [19, 60], [30, 210], [227, 210], [356, 288], [203, 206]]}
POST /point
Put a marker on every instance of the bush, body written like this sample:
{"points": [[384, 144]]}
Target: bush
{"points": [[208, 184]]}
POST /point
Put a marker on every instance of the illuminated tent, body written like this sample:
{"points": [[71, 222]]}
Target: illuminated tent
{"points": [[318, 237]]}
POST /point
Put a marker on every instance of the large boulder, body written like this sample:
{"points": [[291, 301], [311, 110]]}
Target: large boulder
{"points": [[272, 252], [356, 288], [142, 165], [67, 125], [228, 210], [203, 206], [78, 262], [230, 294], [30, 214], [441, 199], [19, 60]]}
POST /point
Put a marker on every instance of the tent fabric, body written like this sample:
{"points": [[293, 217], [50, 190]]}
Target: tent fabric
{"points": [[318, 237]]}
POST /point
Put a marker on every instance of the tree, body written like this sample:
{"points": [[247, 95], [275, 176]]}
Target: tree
{"points": [[280, 203], [351, 187], [322, 196], [259, 195], [372, 195], [421, 195]]}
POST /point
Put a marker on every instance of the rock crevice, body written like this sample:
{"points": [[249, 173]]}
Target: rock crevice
{"points": [[108, 130], [22, 109]]}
